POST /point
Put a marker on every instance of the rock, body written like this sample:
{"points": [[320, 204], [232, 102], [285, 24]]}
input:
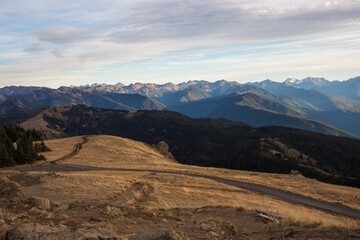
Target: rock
{"points": [[35, 211], [2, 221], [3, 230], [161, 235], [216, 235], [108, 209], [294, 172], [40, 232], [60, 232], [209, 226], [12, 218], [114, 211], [101, 230], [41, 203], [200, 210], [163, 148], [12, 191]]}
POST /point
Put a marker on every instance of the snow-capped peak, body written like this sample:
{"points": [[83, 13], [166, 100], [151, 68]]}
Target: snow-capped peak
{"points": [[293, 81]]}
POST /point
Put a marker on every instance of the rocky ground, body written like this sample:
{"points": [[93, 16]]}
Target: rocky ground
{"points": [[23, 216]]}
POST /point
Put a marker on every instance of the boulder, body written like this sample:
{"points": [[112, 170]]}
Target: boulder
{"points": [[41, 203], [12, 191], [30, 231], [294, 172], [163, 148], [40, 232], [169, 234]]}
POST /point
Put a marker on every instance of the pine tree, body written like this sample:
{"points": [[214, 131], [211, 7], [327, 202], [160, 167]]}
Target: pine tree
{"points": [[5, 159], [43, 147], [25, 151]]}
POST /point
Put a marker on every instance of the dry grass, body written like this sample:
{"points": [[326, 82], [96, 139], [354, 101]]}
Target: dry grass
{"points": [[125, 153], [171, 191], [60, 147], [115, 152]]}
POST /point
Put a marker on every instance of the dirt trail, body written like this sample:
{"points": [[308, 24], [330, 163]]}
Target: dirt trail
{"points": [[73, 152]]}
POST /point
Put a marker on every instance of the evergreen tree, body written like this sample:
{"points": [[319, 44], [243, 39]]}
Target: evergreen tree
{"points": [[5, 159], [43, 147], [25, 151]]}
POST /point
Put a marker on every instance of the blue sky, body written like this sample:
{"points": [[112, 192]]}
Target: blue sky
{"points": [[60, 42]]}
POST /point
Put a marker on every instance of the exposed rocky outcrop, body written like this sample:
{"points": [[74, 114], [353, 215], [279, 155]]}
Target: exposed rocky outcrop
{"points": [[12, 191], [42, 232], [163, 148], [30, 231], [161, 235]]}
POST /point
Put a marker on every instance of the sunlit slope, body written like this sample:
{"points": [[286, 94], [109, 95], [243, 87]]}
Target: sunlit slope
{"points": [[110, 152], [116, 152]]}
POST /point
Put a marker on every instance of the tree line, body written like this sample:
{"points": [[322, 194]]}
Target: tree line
{"points": [[20, 146]]}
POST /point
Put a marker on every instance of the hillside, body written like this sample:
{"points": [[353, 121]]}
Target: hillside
{"points": [[15, 105], [188, 95], [145, 204], [211, 142], [336, 110], [258, 110], [322, 100]]}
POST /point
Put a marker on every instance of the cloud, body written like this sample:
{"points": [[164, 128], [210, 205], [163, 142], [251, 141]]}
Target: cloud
{"points": [[175, 39], [232, 20], [64, 35], [16, 14], [35, 47], [58, 52]]}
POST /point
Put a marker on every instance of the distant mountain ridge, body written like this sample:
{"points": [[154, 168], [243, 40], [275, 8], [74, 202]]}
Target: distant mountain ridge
{"points": [[65, 96], [336, 110], [256, 110], [292, 103], [17, 90], [349, 88]]}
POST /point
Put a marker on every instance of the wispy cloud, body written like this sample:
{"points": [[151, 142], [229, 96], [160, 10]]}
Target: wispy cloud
{"points": [[63, 35], [229, 20]]}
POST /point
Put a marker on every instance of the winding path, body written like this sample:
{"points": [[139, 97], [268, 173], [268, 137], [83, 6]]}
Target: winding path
{"points": [[276, 193], [75, 151]]}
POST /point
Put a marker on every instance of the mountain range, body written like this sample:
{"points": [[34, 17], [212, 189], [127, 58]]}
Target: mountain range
{"points": [[349, 88], [33, 100], [314, 104]]}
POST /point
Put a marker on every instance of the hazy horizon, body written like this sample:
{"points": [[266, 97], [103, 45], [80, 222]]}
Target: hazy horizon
{"points": [[63, 43]]}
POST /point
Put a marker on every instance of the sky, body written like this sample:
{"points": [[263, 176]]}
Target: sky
{"points": [[61, 42]]}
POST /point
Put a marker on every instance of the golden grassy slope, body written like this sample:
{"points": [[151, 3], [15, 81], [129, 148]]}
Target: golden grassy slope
{"points": [[169, 191]]}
